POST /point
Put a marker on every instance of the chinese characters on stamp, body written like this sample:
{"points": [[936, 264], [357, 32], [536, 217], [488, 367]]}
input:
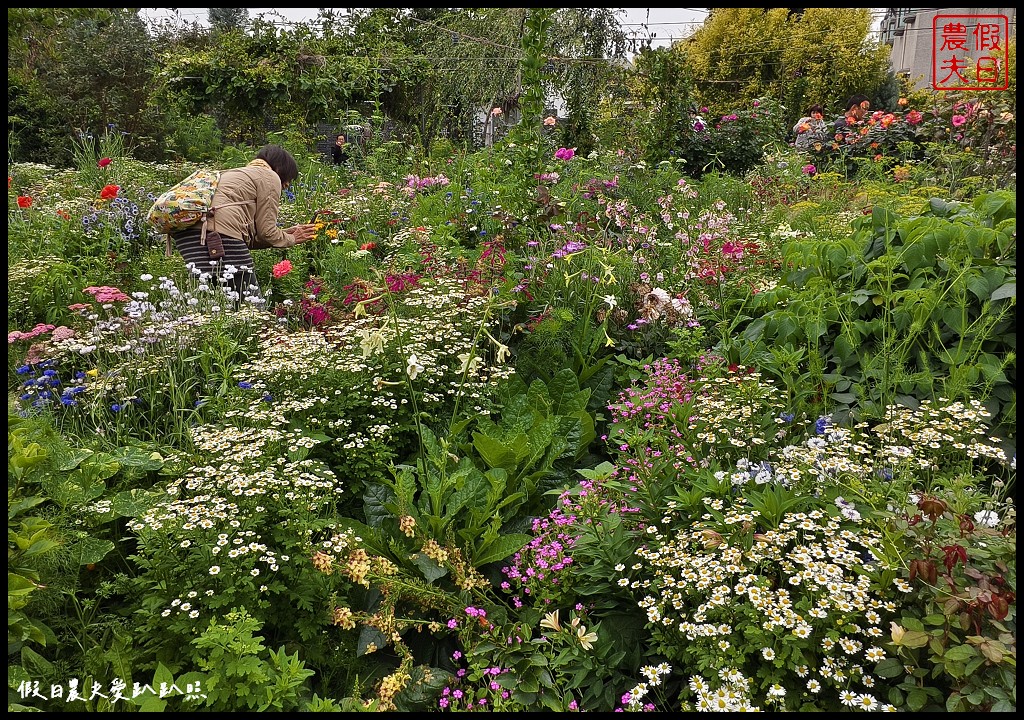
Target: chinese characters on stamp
{"points": [[970, 52]]}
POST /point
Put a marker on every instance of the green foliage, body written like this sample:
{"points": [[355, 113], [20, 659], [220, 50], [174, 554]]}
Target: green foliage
{"points": [[905, 309], [241, 671], [956, 645]]}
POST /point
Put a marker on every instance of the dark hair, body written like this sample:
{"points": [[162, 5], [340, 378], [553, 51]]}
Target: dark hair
{"points": [[815, 108], [856, 100], [280, 161]]}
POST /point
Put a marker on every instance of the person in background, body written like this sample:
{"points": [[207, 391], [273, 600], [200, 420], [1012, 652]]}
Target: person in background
{"points": [[340, 150], [811, 128], [856, 109], [244, 218]]}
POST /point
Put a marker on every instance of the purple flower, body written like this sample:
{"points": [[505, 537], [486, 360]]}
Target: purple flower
{"points": [[809, 169], [565, 153], [699, 125]]}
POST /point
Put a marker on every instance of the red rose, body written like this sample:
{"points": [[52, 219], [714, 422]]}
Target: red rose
{"points": [[109, 192], [103, 162], [24, 201]]}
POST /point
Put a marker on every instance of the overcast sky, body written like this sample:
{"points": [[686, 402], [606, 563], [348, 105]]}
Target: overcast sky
{"points": [[665, 24]]}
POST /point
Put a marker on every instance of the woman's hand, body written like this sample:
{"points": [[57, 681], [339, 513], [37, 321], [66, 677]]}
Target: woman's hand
{"points": [[302, 233]]}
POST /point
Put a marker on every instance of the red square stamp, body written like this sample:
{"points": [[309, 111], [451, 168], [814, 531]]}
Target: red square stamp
{"points": [[970, 52]]}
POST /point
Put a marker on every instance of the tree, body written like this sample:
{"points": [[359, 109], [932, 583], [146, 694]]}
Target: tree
{"points": [[227, 18], [819, 55], [76, 70]]}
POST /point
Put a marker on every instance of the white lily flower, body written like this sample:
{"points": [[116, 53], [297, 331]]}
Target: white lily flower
{"points": [[372, 341], [503, 352], [611, 301], [413, 367], [469, 362]]}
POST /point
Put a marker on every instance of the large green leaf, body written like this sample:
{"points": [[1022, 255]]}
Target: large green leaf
{"points": [[502, 548], [92, 550]]}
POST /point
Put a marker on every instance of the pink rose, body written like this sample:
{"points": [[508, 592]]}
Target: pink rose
{"points": [[282, 268]]}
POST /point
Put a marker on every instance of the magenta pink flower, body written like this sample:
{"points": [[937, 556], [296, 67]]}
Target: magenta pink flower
{"points": [[565, 153], [959, 120], [809, 169]]}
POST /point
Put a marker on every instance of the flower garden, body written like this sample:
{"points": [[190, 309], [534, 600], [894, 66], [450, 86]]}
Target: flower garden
{"points": [[526, 428]]}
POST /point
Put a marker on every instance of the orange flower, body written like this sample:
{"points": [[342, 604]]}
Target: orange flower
{"points": [[109, 192], [878, 157], [903, 102], [24, 201], [63, 214], [368, 246]]}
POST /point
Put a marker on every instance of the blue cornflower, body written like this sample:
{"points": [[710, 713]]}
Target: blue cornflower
{"points": [[245, 385], [268, 398], [787, 417], [67, 400], [116, 408], [24, 369], [822, 425]]}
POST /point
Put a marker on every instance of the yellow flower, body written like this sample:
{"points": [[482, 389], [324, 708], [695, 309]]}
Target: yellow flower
{"points": [[586, 639], [550, 621]]}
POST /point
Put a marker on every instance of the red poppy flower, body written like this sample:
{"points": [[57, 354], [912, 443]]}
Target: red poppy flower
{"points": [[109, 192], [103, 162], [24, 201], [368, 246]]}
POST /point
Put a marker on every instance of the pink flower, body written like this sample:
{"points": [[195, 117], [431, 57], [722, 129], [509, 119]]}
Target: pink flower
{"points": [[103, 162], [914, 117], [565, 153], [549, 120], [282, 268], [959, 120], [809, 169], [106, 294]]}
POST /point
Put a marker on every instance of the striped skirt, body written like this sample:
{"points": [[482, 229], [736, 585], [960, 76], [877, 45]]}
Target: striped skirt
{"points": [[234, 271]]}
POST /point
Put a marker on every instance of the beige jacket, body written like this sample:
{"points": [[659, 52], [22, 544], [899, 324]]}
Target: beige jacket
{"points": [[256, 224]]}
